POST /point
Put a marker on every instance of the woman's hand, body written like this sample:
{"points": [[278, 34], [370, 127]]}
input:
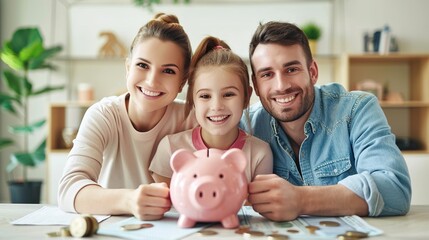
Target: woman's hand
{"points": [[150, 201]]}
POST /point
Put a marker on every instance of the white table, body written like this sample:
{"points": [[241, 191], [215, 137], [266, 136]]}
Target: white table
{"points": [[415, 225]]}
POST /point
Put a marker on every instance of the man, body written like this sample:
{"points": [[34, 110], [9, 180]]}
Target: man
{"points": [[333, 151]]}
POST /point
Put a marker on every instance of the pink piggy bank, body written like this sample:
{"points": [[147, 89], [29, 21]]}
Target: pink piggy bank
{"points": [[208, 186]]}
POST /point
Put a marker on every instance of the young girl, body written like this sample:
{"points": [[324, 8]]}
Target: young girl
{"points": [[218, 91], [107, 168]]}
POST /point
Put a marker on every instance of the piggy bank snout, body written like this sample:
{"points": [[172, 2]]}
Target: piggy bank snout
{"points": [[207, 192]]}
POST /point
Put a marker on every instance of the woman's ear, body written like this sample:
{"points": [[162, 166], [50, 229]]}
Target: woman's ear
{"points": [[127, 66]]}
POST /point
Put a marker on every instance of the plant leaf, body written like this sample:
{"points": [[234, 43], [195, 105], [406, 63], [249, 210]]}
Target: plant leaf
{"points": [[39, 155], [38, 62], [29, 128], [24, 37], [14, 83], [23, 158], [33, 50], [6, 103], [47, 89], [11, 59], [5, 142]]}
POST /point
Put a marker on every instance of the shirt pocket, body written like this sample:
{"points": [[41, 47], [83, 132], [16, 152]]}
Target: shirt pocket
{"points": [[332, 171]]}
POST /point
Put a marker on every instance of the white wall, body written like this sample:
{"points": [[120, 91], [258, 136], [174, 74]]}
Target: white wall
{"points": [[343, 21]]}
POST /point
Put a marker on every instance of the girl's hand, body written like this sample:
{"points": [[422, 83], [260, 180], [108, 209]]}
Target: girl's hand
{"points": [[150, 201]]}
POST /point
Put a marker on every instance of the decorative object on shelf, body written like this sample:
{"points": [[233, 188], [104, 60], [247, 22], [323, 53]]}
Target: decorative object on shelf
{"points": [[394, 97], [112, 47], [85, 92], [24, 53], [372, 87], [313, 33], [68, 135], [383, 42]]}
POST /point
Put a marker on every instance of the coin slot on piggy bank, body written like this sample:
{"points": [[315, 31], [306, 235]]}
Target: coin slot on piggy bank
{"points": [[208, 186]]}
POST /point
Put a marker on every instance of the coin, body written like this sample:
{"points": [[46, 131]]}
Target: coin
{"points": [[277, 236], [242, 230], [329, 223], [207, 232], [80, 227], [136, 226], [312, 229], [94, 223], [65, 232], [344, 237], [356, 234], [53, 234]]}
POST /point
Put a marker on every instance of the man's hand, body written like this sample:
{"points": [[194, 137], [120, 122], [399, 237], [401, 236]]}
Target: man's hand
{"points": [[150, 201], [274, 198], [278, 200]]}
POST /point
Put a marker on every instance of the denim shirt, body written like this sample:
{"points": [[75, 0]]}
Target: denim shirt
{"points": [[348, 141]]}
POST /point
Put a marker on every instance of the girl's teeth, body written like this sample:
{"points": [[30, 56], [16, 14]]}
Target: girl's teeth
{"points": [[217, 118], [150, 93]]}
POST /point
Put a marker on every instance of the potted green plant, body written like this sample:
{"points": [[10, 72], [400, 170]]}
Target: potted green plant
{"points": [[24, 53], [313, 33]]}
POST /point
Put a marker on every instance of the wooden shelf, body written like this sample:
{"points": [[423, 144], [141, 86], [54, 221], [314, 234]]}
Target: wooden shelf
{"points": [[406, 74], [57, 122]]}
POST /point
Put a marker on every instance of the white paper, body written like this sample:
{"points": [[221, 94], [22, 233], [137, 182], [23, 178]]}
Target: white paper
{"points": [[51, 215], [164, 229], [348, 223]]}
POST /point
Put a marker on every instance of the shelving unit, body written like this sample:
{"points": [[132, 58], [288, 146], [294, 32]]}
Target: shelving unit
{"points": [[61, 115], [407, 74]]}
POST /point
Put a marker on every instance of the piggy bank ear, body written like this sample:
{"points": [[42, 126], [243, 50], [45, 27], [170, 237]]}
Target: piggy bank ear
{"points": [[180, 158], [236, 158]]}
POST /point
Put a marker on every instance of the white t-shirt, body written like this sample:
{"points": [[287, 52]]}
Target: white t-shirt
{"points": [[109, 152]]}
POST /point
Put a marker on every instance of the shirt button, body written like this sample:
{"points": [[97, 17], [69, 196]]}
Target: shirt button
{"points": [[335, 170]]}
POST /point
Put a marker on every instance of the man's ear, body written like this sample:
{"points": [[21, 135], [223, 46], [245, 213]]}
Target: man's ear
{"points": [[255, 85], [314, 72]]}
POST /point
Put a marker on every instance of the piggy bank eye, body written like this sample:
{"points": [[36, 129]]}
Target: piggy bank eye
{"points": [[195, 175], [221, 176]]}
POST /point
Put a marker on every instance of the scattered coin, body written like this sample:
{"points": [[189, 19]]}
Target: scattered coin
{"points": [[65, 232], [242, 230], [344, 237], [206, 232], [329, 223], [53, 234], [292, 231], [312, 229], [356, 234], [136, 226], [252, 233], [277, 236]]}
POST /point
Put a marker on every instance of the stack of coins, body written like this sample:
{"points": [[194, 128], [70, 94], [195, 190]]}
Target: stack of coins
{"points": [[83, 226]]}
